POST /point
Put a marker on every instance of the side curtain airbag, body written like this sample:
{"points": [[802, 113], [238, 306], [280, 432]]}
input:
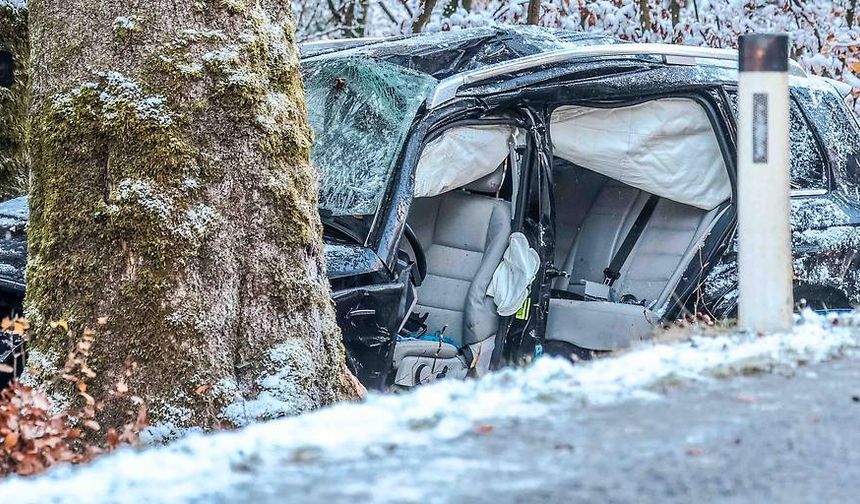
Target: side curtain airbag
{"points": [[665, 147]]}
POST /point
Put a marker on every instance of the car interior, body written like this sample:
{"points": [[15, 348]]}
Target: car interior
{"points": [[462, 219], [637, 188], [609, 164]]}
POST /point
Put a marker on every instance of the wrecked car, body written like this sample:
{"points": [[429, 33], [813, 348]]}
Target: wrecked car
{"points": [[495, 194]]}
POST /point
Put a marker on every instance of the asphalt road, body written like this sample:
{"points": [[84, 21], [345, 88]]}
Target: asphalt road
{"points": [[768, 438]]}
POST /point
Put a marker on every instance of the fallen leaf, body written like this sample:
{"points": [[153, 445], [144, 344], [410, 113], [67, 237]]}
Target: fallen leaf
{"points": [[102, 320], [202, 389], [20, 326], [11, 440], [121, 387], [88, 398], [694, 451], [92, 425], [484, 429]]}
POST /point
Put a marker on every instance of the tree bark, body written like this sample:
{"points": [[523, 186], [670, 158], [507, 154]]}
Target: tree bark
{"points": [[533, 12], [644, 15], [14, 100], [172, 198], [675, 12], [424, 17], [851, 13]]}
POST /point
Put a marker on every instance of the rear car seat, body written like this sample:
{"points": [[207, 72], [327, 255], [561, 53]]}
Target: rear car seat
{"points": [[464, 235], [649, 274]]}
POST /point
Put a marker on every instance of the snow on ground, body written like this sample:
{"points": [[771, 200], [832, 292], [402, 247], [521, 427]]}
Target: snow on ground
{"points": [[202, 464]]}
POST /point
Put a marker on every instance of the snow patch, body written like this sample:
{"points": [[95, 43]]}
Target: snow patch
{"points": [[45, 366], [201, 465], [280, 393], [126, 24], [147, 195]]}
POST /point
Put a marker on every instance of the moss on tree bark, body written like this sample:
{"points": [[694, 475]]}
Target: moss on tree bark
{"points": [[14, 102], [172, 194]]}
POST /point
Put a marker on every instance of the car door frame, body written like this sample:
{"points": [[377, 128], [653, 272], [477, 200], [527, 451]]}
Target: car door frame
{"points": [[706, 95]]}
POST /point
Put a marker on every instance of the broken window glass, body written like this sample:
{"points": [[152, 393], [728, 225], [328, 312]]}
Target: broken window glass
{"points": [[361, 111], [806, 159]]}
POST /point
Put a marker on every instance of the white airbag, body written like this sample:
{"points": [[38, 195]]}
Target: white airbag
{"points": [[461, 155], [511, 280], [665, 147]]}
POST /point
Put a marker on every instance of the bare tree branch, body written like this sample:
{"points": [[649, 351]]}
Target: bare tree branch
{"points": [[424, 18]]}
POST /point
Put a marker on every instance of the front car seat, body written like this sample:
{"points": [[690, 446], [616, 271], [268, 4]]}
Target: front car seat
{"points": [[464, 234]]}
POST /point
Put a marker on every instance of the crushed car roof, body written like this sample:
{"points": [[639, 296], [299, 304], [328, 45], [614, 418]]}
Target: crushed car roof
{"points": [[444, 54], [458, 59]]}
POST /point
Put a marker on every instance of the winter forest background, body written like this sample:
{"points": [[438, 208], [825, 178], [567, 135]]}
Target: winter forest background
{"points": [[825, 34]]}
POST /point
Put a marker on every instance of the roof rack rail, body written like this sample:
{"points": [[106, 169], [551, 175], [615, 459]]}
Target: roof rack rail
{"points": [[447, 89]]}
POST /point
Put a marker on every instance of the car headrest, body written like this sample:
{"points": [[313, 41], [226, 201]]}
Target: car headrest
{"points": [[489, 184]]}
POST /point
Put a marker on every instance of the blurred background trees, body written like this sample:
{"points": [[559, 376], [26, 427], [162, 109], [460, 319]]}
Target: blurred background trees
{"points": [[825, 35]]}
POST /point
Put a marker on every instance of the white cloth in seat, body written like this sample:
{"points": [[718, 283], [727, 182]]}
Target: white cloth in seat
{"points": [[512, 279]]}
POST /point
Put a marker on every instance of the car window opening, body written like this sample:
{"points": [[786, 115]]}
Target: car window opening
{"points": [[806, 161], [637, 189]]}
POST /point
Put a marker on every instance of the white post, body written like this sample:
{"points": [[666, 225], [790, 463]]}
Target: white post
{"points": [[764, 237]]}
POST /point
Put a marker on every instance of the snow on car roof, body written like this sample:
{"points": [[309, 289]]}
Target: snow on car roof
{"points": [[444, 54]]}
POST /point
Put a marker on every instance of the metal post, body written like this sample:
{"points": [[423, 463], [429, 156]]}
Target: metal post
{"points": [[764, 236]]}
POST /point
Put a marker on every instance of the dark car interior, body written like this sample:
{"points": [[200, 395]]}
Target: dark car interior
{"points": [[594, 215]]}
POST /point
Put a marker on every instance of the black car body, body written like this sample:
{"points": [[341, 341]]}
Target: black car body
{"points": [[378, 105]]}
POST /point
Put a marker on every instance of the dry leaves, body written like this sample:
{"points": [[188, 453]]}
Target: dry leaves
{"points": [[33, 439]]}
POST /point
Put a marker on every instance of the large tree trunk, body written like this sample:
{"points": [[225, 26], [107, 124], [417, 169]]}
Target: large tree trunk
{"points": [[172, 195], [14, 99]]}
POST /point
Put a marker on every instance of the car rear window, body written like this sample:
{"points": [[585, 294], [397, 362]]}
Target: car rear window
{"points": [[808, 165], [836, 126]]}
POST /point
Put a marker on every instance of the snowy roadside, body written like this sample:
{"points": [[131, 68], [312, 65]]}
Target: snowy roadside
{"points": [[202, 465]]}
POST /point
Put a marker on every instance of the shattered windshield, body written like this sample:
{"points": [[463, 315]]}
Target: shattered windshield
{"points": [[360, 111]]}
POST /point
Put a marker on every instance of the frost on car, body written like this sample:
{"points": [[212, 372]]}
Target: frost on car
{"points": [[498, 193]]}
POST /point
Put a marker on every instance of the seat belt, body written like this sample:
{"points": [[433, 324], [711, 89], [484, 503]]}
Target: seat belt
{"points": [[613, 271]]}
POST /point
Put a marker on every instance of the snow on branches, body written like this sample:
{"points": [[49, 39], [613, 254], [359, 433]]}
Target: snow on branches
{"points": [[824, 34]]}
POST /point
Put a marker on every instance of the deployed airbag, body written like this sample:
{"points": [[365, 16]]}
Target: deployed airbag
{"points": [[665, 147], [511, 280], [461, 155]]}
